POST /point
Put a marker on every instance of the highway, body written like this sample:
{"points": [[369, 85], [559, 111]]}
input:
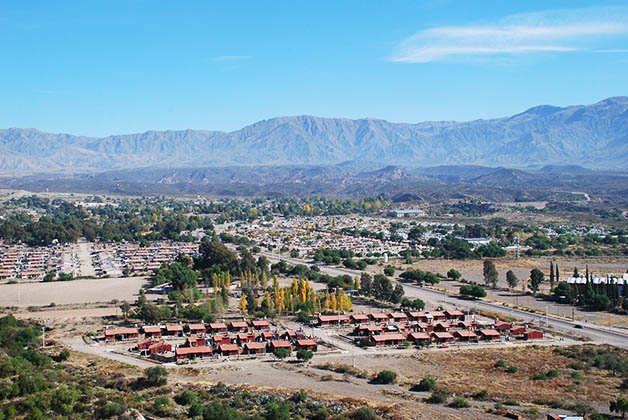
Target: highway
{"points": [[595, 333]]}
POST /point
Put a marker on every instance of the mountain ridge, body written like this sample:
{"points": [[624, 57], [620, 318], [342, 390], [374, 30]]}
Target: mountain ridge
{"points": [[594, 136]]}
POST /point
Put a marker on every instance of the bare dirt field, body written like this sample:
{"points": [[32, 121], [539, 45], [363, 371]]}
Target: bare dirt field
{"points": [[70, 292]]}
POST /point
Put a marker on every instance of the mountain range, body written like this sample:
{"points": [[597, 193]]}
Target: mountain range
{"points": [[593, 136]]}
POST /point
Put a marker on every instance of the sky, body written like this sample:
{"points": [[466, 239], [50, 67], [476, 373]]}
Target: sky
{"points": [[99, 68]]}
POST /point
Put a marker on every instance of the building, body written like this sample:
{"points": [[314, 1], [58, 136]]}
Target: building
{"points": [[465, 335], [152, 331], [185, 353], [391, 339], [229, 349], [307, 344], [239, 326], [279, 344], [260, 325], [217, 327], [489, 335], [378, 318], [529, 334], [326, 320], [196, 329], [368, 330], [359, 319], [174, 330], [419, 337], [253, 348], [245, 338], [455, 315], [417, 316], [398, 317], [442, 337], [159, 347], [221, 339], [121, 334]]}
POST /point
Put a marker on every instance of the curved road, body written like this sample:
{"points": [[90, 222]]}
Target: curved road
{"points": [[595, 333]]}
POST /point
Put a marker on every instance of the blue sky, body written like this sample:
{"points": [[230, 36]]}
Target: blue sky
{"points": [[101, 68]]}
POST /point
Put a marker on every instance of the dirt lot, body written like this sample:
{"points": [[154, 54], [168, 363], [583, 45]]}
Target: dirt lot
{"points": [[70, 292]]}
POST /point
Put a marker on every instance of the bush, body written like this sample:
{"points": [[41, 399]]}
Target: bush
{"points": [[501, 363], [305, 355], [532, 413], [63, 355], [281, 353], [364, 413], [539, 376], [439, 396], [459, 402], [196, 410], [482, 395], [389, 271], [156, 376], [187, 397], [552, 373], [512, 369], [427, 384], [386, 377], [299, 396], [110, 410]]}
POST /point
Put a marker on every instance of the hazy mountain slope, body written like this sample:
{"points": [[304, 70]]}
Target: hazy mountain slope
{"points": [[594, 135]]}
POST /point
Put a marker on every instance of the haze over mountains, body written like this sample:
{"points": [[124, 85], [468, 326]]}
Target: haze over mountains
{"points": [[594, 136]]}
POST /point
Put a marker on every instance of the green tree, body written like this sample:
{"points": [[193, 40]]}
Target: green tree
{"points": [[472, 290], [536, 279], [156, 376], [490, 273], [453, 274], [281, 353], [619, 405], [386, 377], [305, 355], [511, 279]]}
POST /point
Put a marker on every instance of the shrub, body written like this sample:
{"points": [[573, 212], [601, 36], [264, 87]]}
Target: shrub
{"points": [[187, 397], [501, 363], [459, 402], [299, 396], [305, 355], [364, 413], [63, 355], [439, 396], [512, 369], [195, 410], [532, 413], [162, 406], [427, 384], [281, 353], [156, 376], [386, 377], [389, 271], [110, 410], [552, 373], [539, 376], [482, 395]]}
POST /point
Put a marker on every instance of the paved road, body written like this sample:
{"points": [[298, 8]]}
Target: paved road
{"points": [[595, 333]]}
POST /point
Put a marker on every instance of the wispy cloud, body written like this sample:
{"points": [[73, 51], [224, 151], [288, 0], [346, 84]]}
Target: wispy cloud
{"points": [[222, 58], [550, 31]]}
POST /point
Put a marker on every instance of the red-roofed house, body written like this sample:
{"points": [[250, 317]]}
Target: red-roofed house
{"points": [[465, 335], [455, 314], [532, 334], [279, 344], [119, 334], [239, 326], [378, 318], [182, 353], [442, 337], [174, 330], [260, 325], [217, 327], [229, 349], [196, 328], [398, 317], [419, 337], [307, 344], [151, 331], [359, 319], [391, 339], [489, 334], [254, 348]]}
